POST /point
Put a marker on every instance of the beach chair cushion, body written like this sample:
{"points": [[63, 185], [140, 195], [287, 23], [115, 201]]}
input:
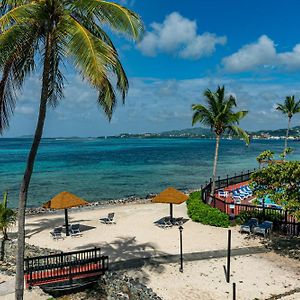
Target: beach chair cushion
{"points": [[109, 219], [75, 230], [264, 228], [56, 233], [249, 225]]}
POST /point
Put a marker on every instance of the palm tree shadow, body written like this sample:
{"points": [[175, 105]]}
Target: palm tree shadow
{"points": [[125, 254]]}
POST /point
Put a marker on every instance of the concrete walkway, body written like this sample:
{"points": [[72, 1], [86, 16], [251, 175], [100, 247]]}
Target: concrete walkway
{"points": [[167, 259]]}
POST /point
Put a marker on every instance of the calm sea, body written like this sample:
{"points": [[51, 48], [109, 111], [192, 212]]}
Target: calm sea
{"points": [[97, 169]]}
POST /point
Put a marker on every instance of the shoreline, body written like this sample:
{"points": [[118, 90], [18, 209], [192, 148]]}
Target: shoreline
{"points": [[33, 211]]}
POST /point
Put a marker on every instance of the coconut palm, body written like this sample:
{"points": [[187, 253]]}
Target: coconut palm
{"points": [[289, 108], [51, 31], [7, 219], [218, 114]]}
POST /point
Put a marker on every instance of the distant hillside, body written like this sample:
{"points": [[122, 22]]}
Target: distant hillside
{"points": [[294, 131]]}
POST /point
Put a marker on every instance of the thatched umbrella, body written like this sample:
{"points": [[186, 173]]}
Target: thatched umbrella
{"points": [[171, 196], [65, 200]]}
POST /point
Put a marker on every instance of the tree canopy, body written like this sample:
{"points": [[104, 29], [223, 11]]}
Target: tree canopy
{"points": [[281, 182]]}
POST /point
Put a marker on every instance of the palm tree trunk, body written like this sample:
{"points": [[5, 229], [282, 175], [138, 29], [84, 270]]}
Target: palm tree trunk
{"points": [[214, 168], [286, 137], [19, 287]]}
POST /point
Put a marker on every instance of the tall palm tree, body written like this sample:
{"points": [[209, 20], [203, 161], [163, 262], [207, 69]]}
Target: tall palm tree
{"points": [[218, 114], [51, 31], [289, 108]]}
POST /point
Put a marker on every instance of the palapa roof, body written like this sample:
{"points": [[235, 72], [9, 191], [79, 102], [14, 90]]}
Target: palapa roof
{"points": [[64, 200], [170, 195]]}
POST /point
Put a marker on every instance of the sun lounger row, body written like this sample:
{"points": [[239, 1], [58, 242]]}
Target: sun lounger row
{"points": [[242, 193], [252, 226]]}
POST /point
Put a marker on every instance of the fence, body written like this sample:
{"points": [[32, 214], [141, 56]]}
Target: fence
{"points": [[288, 224], [65, 266]]}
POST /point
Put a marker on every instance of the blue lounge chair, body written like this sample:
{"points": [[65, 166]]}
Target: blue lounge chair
{"points": [[236, 194], [57, 233], [264, 228], [74, 230], [222, 193], [249, 225], [244, 190]]}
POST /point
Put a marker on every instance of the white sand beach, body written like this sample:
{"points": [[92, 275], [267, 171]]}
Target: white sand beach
{"points": [[135, 235]]}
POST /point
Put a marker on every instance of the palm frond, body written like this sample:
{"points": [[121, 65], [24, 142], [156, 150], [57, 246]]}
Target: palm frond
{"points": [[235, 130], [18, 14], [115, 15]]}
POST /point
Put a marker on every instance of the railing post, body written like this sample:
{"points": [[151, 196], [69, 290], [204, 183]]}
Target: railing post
{"points": [[227, 180], [219, 182], [242, 179]]}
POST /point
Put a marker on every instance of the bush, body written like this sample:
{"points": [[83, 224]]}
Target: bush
{"points": [[203, 213], [275, 217]]}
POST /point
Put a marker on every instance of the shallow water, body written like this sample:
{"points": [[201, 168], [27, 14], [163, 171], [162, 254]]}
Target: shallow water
{"points": [[98, 169]]}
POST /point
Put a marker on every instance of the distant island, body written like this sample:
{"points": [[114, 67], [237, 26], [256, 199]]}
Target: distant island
{"points": [[199, 132]]}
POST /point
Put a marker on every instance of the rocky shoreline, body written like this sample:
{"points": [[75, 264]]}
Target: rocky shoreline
{"points": [[123, 201]]}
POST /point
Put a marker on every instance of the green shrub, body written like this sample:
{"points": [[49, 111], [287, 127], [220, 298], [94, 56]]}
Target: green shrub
{"points": [[203, 213], [275, 217]]}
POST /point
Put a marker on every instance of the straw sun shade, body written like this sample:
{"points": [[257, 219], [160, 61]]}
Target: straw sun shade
{"points": [[65, 200], [171, 196]]}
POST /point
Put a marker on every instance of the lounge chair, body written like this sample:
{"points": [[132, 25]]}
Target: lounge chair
{"points": [[264, 228], [178, 221], [109, 219], [238, 194], [56, 233], [165, 223], [244, 190], [75, 230], [222, 193], [243, 193], [249, 225]]}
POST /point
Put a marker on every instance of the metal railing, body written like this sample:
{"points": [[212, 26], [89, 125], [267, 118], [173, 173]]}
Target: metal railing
{"points": [[288, 224], [64, 266]]}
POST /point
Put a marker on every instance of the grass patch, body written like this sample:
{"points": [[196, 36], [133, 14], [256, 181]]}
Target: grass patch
{"points": [[205, 214]]}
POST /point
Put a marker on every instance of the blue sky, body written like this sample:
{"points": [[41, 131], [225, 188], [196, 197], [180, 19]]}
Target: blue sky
{"points": [[253, 47]]}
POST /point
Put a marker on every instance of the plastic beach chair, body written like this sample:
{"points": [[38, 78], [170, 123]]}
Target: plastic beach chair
{"points": [[165, 223], [56, 233], [249, 225], [109, 219], [222, 193], [178, 221], [264, 228], [75, 230]]}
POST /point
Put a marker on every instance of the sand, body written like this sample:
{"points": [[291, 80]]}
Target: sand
{"points": [[135, 236]]}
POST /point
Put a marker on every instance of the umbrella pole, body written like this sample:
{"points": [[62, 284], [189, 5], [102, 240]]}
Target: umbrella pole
{"points": [[66, 222], [171, 212]]}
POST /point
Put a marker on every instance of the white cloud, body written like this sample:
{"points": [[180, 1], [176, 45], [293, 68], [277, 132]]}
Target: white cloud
{"points": [[262, 54], [177, 35], [252, 55], [24, 110]]}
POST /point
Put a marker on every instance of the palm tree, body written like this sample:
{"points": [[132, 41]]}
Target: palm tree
{"points": [[51, 31], [7, 219], [289, 108], [220, 117]]}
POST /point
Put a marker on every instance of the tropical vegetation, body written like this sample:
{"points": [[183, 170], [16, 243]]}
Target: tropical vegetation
{"points": [[50, 32], [220, 117], [290, 107], [265, 156], [7, 219], [279, 181], [200, 212]]}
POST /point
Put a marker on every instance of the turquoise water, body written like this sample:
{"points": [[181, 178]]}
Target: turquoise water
{"points": [[97, 169]]}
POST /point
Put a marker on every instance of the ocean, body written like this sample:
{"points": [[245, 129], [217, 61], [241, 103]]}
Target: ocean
{"points": [[102, 169]]}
